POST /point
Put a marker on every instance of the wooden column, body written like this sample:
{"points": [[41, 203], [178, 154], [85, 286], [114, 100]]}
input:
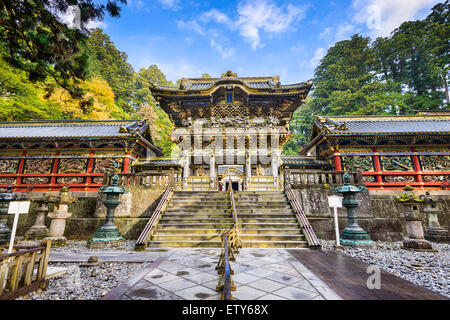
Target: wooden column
{"points": [[54, 170], [376, 160], [89, 169], [126, 162], [417, 167], [20, 169], [337, 161]]}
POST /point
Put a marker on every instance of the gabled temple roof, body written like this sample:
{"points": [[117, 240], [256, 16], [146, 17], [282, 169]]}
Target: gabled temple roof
{"points": [[205, 86], [303, 161], [412, 125], [77, 129], [230, 96], [369, 125]]}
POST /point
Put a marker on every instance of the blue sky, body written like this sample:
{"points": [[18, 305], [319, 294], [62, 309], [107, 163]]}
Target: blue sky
{"points": [[186, 38]]}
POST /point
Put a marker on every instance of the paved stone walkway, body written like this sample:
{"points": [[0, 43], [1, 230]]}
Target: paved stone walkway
{"points": [[259, 274]]}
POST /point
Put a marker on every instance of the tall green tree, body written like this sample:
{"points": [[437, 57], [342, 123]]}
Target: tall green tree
{"points": [[111, 64], [161, 126], [45, 48], [22, 100]]}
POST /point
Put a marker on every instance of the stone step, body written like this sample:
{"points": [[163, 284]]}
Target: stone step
{"points": [[227, 219], [250, 231], [187, 243], [267, 220], [274, 244], [200, 206], [253, 225], [191, 231], [217, 237], [228, 214], [195, 225], [271, 237], [193, 211], [262, 210], [194, 201], [266, 207]]}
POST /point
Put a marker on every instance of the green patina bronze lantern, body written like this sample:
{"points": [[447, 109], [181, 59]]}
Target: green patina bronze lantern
{"points": [[109, 233], [5, 198], [353, 234]]}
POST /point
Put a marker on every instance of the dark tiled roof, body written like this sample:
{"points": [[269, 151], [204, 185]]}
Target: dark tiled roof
{"points": [[303, 161], [384, 125], [163, 162], [71, 129]]}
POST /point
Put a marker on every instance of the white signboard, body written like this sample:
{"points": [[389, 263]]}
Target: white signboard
{"points": [[19, 207], [16, 208], [335, 202]]}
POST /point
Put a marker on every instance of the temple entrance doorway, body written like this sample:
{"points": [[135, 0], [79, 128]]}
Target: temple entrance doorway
{"points": [[231, 174]]}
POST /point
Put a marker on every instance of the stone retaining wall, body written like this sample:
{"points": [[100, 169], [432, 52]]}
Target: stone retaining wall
{"points": [[88, 213], [379, 214]]}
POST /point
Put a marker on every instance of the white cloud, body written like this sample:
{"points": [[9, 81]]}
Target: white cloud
{"points": [[175, 70], [254, 16], [170, 4], [224, 52], [325, 33], [342, 32], [318, 55], [72, 19], [216, 16], [191, 25], [383, 16]]}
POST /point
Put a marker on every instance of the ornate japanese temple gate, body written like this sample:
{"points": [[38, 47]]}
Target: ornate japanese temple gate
{"points": [[230, 130]]}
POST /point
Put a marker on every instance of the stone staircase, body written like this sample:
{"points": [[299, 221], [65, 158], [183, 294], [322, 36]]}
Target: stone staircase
{"points": [[266, 219], [194, 219], [198, 219]]}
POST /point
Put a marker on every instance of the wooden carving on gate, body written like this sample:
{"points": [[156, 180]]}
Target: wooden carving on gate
{"points": [[9, 165], [200, 172], [73, 165], [435, 163], [396, 163], [259, 170], [38, 165]]}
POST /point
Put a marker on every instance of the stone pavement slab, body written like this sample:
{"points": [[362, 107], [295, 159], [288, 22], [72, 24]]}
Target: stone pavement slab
{"points": [[338, 272], [189, 273]]}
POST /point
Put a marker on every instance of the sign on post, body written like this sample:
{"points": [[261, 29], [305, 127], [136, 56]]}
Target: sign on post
{"points": [[335, 202], [16, 208]]}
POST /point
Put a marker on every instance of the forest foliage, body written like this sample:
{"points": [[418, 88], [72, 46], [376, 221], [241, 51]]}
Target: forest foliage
{"points": [[397, 75], [49, 70]]}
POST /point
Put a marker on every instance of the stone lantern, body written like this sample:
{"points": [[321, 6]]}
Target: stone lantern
{"points": [[415, 237], [59, 216], [108, 234], [5, 198], [434, 231], [353, 234], [39, 231]]}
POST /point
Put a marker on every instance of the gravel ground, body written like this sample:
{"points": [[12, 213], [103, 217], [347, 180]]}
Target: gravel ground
{"points": [[427, 269], [81, 283], [84, 283], [74, 246]]}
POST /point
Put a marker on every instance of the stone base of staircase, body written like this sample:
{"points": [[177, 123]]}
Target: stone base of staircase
{"points": [[198, 219]]}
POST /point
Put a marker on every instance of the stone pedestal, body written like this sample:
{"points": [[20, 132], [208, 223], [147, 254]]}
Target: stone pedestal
{"points": [[415, 236], [58, 224], [59, 216], [39, 231], [434, 232], [410, 206]]}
